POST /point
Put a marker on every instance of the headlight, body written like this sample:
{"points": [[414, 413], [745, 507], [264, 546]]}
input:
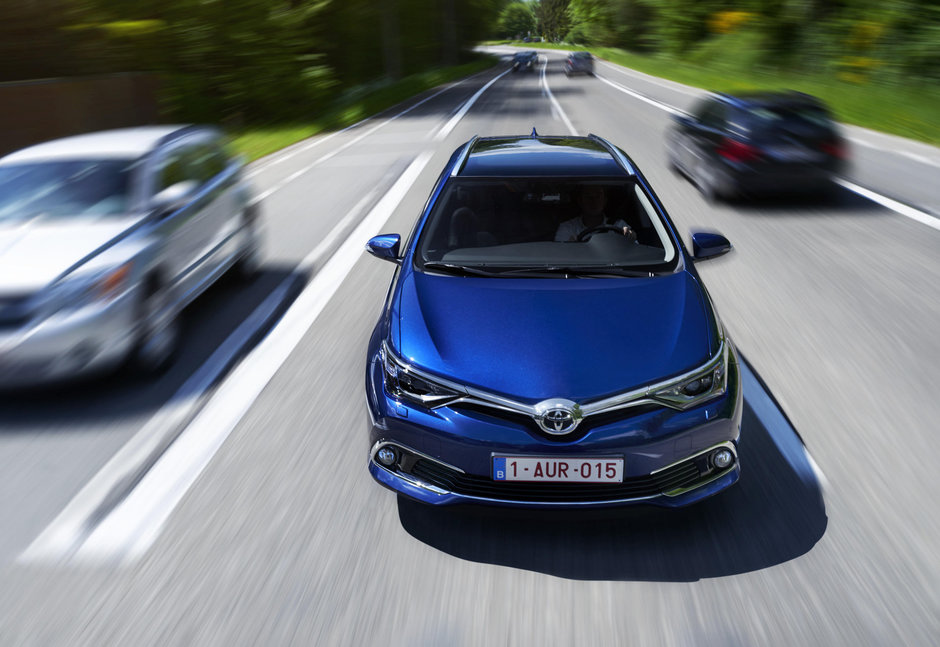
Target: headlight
{"points": [[405, 383], [698, 386], [84, 289]]}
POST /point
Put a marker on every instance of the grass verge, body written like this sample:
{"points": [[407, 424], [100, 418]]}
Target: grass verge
{"points": [[906, 110], [352, 106]]}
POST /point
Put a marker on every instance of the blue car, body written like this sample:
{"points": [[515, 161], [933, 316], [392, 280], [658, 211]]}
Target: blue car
{"points": [[547, 341]]}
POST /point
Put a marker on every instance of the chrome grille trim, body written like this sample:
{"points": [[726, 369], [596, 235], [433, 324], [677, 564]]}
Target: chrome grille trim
{"points": [[634, 398]]}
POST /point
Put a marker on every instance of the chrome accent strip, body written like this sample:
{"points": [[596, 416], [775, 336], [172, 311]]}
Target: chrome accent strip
{"points": [[636, 397], [727, 445], [459, 164], [681, 491], [379, 444]]}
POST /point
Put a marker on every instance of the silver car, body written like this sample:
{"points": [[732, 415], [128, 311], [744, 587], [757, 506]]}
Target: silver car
{"points": [[105, 238]]}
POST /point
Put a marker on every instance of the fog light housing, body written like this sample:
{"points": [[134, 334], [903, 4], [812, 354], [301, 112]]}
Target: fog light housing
{"points": [[722, 458], [387, 456]]}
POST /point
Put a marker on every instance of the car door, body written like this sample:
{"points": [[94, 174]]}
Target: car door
{"points": [[182, 228], [224, 207]]}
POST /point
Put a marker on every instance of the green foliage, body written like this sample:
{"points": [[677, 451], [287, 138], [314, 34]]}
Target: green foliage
{"points": [[516, 20], [553, 19], [241, 61]]}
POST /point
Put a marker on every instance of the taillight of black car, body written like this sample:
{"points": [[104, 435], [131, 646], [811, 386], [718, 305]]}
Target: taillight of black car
{"points": [[737, 151], [835, 148]]}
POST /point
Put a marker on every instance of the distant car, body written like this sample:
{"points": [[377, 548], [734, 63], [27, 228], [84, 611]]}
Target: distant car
{"points": [[105, 238], [732, 145], [526, 358], [524, 61], [579, 63]]}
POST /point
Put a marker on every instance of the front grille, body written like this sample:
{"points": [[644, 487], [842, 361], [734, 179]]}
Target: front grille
{"points": [[683, 475], [492, 414]]}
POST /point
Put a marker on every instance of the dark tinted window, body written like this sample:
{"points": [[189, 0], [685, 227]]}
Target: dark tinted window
{"points": [[65, 188], [787, 116], [530, 222], [714, 115], [178, 167]]}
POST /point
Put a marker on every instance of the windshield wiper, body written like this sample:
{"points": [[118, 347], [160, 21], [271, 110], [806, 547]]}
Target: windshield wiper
{"points": [[580, 271], [459, 270]]}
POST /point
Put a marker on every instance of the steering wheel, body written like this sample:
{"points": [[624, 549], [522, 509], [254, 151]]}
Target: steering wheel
{"points": [[587, 233]]}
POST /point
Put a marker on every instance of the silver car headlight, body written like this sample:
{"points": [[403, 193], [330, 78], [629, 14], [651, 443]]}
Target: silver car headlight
{"points": [[83, 289], [695, 387], [404, 382]]}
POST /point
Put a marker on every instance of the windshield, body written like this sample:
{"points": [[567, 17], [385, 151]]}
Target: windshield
{"points": [[522, 227], [57, 189]]}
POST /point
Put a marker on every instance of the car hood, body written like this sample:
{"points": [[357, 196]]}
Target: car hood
{"points": [[533, 339], [36, 252]]}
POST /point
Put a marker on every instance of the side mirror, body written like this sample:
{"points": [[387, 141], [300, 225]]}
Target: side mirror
{"points": [[172, 198], [385, 246], [707, 244]]}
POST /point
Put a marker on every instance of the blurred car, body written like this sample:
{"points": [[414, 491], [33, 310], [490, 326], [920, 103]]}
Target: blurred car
{"points": [[579, 63], [105, 238], [509, 368], [756, 143], [524, 61]]}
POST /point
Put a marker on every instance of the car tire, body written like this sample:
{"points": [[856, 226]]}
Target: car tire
{"points": [[705, 180], [671, 163], [158, 336], [249, 262]]}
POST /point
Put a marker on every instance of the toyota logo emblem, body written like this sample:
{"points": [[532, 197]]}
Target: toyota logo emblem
{"points": [[557, 416]]}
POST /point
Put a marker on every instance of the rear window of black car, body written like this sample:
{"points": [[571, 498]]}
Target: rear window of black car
{"points": [[772, 117]]}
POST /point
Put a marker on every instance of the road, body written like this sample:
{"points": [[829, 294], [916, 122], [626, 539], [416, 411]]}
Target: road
{"points": [[260, 525]]}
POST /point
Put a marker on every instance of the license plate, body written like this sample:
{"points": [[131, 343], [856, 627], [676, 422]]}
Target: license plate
{"points": [[564, 470]]}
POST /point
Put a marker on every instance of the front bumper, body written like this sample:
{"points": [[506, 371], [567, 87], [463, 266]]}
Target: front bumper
{"points": [[446, 455], [67, 345]]}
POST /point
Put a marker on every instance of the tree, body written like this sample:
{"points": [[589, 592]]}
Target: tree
{"points": [[516, 19], [554, 19]]}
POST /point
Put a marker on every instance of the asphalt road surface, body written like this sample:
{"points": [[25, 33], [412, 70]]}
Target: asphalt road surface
{"points": [[228, 503]]}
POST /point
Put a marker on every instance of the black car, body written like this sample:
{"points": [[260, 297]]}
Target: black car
{"points": [[768, 142], [579, 63], [524, 61]]}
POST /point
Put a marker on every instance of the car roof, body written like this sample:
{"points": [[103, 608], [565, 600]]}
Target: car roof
{"points": [[536, 155], [121, 143], [769, 98]]}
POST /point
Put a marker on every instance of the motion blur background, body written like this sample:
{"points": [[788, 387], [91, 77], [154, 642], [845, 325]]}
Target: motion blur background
{"points": [[253, 64]]}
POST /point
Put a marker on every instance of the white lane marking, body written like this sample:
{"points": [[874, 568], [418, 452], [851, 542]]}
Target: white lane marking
{"points": [[917, 157], [63, 535], [780, 430], [898, 207], [300, 147], [677, 87], [296, 174], [133, 525], [641, 97], [556, 107], [446, 129]]}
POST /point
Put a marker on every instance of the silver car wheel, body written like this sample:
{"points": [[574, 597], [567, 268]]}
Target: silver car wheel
{"points": [[159, 338]]}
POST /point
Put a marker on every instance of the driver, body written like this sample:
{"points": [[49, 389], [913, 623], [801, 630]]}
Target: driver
{"points": [[592, 200]]}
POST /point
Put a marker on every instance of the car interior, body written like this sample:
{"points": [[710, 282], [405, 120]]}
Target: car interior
{"points": [[493, 213]]}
